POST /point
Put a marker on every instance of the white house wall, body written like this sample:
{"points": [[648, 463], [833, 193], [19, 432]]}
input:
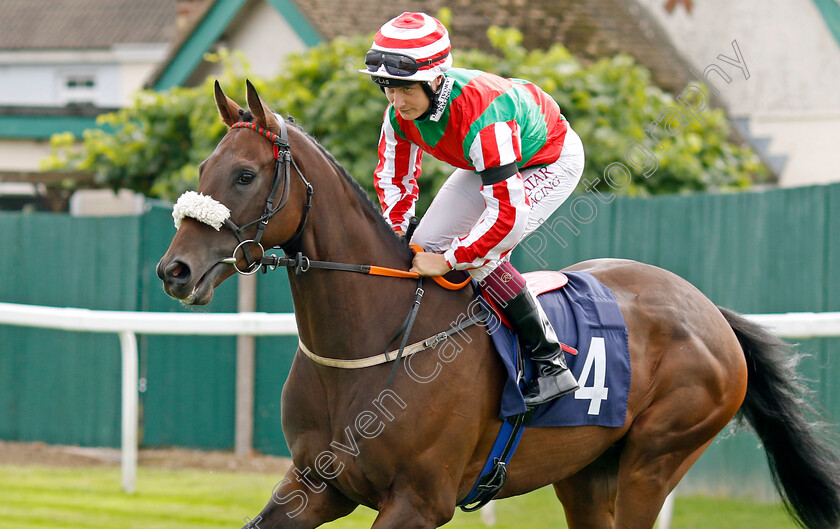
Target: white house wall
{"points": [[791, 95], [264, 37], [137, 62], [810, 144], [41, 84], [36, 78], [26, 84], [22, 155]]}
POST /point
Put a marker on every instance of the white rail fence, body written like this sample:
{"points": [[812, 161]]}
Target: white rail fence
{"points": [[128, 324]]}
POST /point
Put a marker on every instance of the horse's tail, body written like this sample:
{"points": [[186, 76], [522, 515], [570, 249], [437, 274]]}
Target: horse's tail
{"points": [[804, 464]]}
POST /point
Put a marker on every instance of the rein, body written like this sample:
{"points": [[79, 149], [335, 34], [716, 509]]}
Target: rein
{"points": [[300, 263]]}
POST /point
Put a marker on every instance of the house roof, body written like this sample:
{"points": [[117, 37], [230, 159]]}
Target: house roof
{"points": [[85, 24], [207, 28], [590, 29], [830, 11]]}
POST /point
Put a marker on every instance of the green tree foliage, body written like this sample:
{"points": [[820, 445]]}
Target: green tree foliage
{"points": [[155, 145]]}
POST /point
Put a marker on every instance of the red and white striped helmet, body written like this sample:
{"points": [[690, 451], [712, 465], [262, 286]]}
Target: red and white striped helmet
{"points": [[421, 38]]}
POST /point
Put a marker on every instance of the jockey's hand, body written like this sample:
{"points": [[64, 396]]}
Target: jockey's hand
{"points": [[430, 264]]}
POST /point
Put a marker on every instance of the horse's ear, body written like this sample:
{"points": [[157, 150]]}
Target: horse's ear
{"points": [[262, 114], [228, 109]]}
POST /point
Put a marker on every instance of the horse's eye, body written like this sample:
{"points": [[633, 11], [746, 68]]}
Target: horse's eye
{"points": [[245, 178]]}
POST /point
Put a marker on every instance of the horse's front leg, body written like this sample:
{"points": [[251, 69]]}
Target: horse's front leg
{"points": [[427, 502], [406, 514], [301, 501]]}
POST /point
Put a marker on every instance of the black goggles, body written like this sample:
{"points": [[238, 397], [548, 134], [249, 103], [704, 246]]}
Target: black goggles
{"points": [[397, 64]]}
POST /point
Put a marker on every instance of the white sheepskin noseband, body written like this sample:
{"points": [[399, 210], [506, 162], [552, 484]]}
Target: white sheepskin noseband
{"points": [[202, 208]]}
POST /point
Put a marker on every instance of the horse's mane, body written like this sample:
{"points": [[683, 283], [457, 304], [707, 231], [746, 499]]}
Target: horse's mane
{"points": [[363, 196]]}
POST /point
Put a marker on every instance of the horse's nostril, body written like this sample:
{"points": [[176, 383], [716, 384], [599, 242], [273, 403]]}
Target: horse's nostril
{"points": [[178, 271]]}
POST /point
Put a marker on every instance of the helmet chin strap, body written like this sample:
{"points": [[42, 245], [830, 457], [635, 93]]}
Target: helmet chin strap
{"points": [[435, 109], [433, 96]]}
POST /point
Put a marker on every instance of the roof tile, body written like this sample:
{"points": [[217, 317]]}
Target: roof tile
{"points": [[84, 24], [590, 29]]}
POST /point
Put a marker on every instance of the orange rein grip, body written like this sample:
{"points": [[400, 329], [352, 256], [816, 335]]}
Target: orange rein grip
{"points": [[391, 272], [448, 285]]}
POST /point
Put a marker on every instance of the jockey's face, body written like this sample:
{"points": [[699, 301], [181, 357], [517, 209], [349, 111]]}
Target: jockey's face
{"points": [[410, 101]]}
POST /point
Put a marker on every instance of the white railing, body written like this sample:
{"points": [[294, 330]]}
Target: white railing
{"points": [[129, 324], [800, 324]]}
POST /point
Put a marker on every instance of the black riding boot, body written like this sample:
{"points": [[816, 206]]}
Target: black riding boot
{"points": [[537, 336]]}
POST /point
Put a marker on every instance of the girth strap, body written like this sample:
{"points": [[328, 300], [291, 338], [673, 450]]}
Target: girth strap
{"points": [[494, 474]]}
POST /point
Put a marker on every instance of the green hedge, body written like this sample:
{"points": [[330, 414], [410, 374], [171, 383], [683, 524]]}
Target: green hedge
{"points": [[155, 145]]}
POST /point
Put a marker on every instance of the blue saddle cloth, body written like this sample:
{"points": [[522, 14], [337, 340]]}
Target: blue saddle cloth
{"points": [[586, 316]]}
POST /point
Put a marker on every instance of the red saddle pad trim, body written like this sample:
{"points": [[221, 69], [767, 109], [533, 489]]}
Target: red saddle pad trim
{"points": [[539, 282]]}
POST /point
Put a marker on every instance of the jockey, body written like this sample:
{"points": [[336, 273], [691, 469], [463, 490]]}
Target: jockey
{"points": [[516, 159]]}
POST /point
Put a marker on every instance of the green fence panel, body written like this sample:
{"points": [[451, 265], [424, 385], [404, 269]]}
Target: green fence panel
{"points": [[748, 251], [274, 356], [190, 389], [190, 381], [771, 251], [830, 388], [795, 253], [831, 281], [571, 235], [57, 386]]}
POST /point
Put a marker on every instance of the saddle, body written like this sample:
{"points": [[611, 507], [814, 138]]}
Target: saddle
{"points": [[585, 315]]}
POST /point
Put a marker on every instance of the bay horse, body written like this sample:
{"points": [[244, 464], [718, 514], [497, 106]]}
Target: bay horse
{"points": [[412, 450]]}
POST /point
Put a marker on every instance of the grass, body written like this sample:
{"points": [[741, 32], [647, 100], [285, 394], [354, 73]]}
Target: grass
{"points": [[33, 497]]}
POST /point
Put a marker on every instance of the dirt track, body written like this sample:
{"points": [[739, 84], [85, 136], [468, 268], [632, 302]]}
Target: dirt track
{"points": [[74, 456]]}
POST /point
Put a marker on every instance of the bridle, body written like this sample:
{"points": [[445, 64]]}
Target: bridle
{"points": [[282, 169], [300, 263]]}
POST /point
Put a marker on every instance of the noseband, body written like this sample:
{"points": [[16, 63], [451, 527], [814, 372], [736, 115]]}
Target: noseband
{"points": [[283, 161]]}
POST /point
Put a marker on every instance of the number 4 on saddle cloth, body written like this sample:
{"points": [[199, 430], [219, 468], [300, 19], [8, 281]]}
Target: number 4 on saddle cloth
{"points": [[585, 316]]}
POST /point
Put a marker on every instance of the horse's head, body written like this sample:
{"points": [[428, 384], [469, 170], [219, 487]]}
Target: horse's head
{"points": [[243, 184]]}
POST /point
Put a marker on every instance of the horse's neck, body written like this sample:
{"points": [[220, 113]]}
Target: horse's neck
{"points": [[347, 314]]}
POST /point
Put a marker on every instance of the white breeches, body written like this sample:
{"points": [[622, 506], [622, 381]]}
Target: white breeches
{"points": [[458, 205]]}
